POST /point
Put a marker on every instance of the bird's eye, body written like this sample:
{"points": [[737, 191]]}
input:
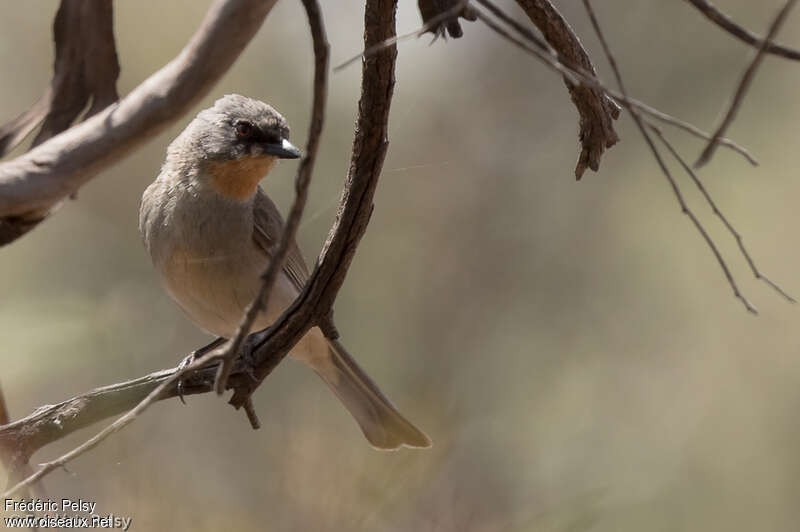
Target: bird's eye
{"points": [[244, 130]]}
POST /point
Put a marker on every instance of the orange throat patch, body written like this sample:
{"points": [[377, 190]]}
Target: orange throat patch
{"points": [[239, 179]]}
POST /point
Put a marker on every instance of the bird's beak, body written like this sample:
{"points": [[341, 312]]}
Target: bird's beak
{"points": [[284, 150]]}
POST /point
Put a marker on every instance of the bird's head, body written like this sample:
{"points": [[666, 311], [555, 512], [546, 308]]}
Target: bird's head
{"points": [[236, 142]]}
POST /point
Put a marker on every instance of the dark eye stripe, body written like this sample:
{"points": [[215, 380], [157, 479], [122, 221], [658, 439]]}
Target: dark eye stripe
{"points": [[247, 131]]}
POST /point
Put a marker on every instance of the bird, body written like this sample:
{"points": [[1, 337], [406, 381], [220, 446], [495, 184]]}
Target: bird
{"points": [[209, 229]]}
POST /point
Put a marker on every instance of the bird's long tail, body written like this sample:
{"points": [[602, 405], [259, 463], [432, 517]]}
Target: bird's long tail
{"points": [[382, 424]]}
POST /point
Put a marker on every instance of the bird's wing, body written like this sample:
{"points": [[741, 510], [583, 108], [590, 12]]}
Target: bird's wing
{"points": [[268, 227]]}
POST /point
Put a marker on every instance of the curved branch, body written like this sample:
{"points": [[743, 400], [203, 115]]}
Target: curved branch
{"points": [[302, 181], [743, 34], [314, 306], [33, 183]]}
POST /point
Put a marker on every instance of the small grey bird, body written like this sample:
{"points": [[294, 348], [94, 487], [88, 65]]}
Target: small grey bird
{"points": [[209, 229]]}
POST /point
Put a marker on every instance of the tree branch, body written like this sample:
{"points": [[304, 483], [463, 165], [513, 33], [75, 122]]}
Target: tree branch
{"points": [[53, 427], [726, 23], [314, 306], [744, 84], [302, 181], [597, 111], [637, 118], [32, 184]]}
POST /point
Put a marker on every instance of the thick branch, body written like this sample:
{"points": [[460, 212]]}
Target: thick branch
{"points": [[596, 110], [86, 66], [31, 184], [314, 305], [53, 422]]}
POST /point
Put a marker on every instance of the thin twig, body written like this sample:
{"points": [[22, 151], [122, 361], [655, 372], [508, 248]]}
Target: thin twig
{"points": [[718, 213], [675, 188], [692, 129], [252, 417], [744, 84], [116, 426], [428, 26], [302, 182], [580, 75], [726, 23]]}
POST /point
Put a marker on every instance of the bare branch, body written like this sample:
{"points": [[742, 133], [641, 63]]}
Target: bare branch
{"points": [[664, 169], [597, 111], [542, 52], [32, 184], [718, 213], [53, 422], [744, 84], [691, 129], [726, 23], [302, 181], [314, 305], [116, 426]]}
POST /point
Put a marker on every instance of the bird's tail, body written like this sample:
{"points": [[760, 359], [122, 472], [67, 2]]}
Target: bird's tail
{"points": [[381, 423]]}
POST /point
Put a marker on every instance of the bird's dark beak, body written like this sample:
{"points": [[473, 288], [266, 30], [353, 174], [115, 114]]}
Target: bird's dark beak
{"points": [[284, 150]]}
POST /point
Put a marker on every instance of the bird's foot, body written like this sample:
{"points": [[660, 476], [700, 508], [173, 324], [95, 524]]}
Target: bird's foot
{"points": [[194, 355]]}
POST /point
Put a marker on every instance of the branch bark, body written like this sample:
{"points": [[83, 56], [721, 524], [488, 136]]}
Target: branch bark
{"points": [[33, 183], [597, 111], [314, 306]]}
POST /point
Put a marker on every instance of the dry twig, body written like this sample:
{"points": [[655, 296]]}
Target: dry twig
{"points": [[738, 237], [664, 169], [744, 84], [542, 52], [726, 23]]}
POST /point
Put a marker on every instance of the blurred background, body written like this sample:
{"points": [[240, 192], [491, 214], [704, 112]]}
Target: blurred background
{"points": [[572, 348]]}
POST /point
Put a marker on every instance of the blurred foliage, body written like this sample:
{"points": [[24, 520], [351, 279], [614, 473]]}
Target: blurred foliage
{"points": [[572, 348]]}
